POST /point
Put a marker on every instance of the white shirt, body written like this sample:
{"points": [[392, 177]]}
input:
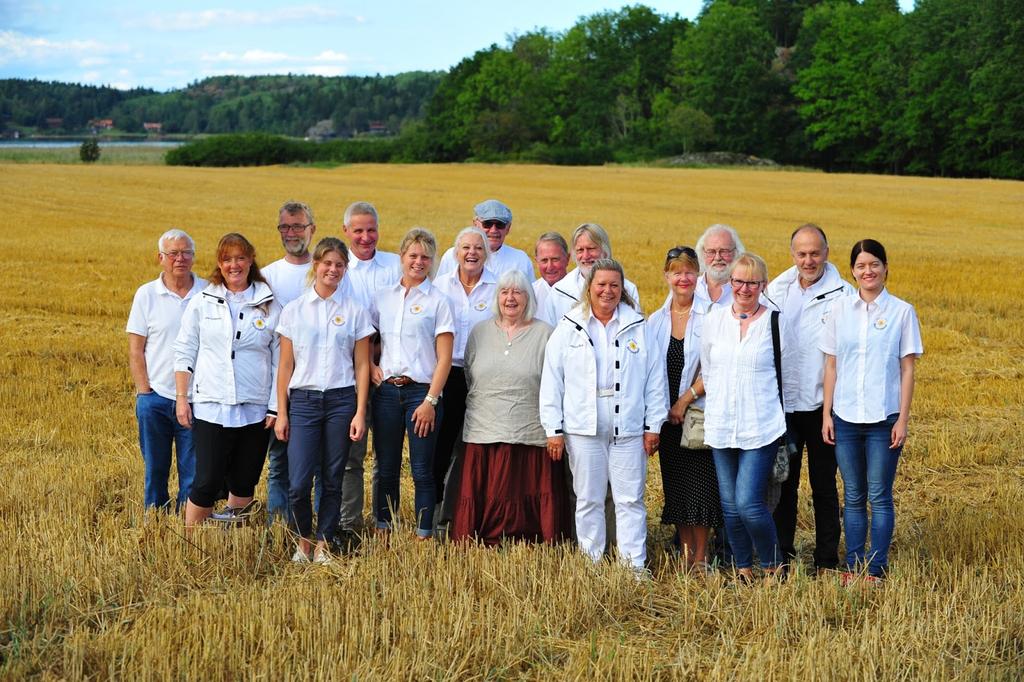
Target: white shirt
{"points": [[603, 336], [701, 292], [286, 280], [156, 316], [868, 340], [804, 314], [323, 333], [371, 276], [541, 290], [467, 310], [408, 325], [567, 292], [742, 407], [505, 258]]}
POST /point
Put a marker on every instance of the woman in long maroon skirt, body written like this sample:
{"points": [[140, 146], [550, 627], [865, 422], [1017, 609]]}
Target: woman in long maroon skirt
{"points": [[509, 487]]}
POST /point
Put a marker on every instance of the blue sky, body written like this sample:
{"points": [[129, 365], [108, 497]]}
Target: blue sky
{"points": [[166, 45]]}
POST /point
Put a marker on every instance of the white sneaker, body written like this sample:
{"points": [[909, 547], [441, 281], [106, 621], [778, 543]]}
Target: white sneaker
{"points": [[300, 557], [322, 558]]}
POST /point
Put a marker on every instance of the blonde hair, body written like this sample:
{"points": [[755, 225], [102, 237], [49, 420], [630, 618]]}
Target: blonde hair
{"points": [[423, 237], [752, 263], [607, 264], [323, 247]]}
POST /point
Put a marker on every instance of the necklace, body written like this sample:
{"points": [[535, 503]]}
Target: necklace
{"points": [[744, 316], [685, 311]]}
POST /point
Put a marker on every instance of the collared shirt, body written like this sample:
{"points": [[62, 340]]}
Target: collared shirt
{"points": [[742, 407], [468, 310], [323, 333], [701, 292], [286, 280], [505, 258], [368, 277], [408, 325], [868, 340], [567, 292], [603, 336], [541, 290], [156, 316], [802, 384]]}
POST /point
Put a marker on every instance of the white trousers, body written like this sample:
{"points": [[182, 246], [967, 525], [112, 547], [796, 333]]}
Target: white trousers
{"points": [[596, 462]]}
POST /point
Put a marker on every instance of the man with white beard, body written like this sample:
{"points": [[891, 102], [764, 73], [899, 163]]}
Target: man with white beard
{"points": [[716, 249]]}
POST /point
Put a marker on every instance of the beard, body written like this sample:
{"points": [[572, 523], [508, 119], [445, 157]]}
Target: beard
{"points": [[299, 248], [718, 276]]}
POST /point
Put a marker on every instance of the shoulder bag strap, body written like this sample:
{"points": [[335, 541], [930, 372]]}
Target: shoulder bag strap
{"points": [[777, 348]]}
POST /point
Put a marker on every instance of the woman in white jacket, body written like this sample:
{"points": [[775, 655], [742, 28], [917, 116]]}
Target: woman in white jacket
{"points": [[228, 350], [603, 399], [688, 477]]}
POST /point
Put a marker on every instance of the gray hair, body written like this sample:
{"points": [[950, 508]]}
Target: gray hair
{"points": [[359, 208], [483, 240], [174, 234], [554, 238], [607, 264], [514, 279], [292, 207], [597, 234], [737, 243]]}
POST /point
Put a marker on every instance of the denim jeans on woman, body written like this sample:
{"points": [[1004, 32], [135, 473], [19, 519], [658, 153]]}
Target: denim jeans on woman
{"points": [[742, 483], [158, 430], [868, 467], [392, 421], [318, 443]]}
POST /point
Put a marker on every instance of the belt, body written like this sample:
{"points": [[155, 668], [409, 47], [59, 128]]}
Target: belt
{"points": [[605, 392], [399, 381]]}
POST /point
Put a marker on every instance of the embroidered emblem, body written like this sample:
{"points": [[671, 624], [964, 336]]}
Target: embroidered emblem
{"points": [[632, 346], [259, 323], [482, 305], [416, 309], [337, 320], [880, 323]]}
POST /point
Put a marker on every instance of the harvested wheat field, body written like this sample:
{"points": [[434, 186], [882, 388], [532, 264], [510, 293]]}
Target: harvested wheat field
{"points": [[91, 587]]}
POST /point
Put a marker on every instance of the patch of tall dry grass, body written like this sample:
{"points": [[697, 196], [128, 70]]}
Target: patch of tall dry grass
{"points": [[92, 587]]}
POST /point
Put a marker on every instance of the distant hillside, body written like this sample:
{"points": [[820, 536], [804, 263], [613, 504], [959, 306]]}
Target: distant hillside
{"points": [[290, 105]]}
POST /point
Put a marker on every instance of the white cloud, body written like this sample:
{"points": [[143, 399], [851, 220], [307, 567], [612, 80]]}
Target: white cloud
{"points": [[16, 46], [216, 18], [331, 56], [324, 70], [263, 57], [328, 60]]}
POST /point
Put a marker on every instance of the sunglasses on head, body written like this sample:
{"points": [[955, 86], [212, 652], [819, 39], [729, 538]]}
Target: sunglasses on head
{"points": [[678, 251]]}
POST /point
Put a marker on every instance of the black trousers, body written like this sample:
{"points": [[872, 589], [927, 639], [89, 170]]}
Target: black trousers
{"points": [[234, 455], [804, 429], [449, 432]]}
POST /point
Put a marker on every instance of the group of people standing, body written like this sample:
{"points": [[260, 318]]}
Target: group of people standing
{"points": [[530, 405]]}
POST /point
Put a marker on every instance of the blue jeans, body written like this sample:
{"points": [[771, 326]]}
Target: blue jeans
{"points": [[392, 420], [742, 482], [278, 484], [868, 467], [318, 443], [158, 429]]}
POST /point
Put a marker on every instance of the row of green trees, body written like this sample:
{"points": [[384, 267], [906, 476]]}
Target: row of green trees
{"points": [[836, 83]]}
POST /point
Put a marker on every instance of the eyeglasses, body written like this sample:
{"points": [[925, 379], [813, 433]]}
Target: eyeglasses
{"points": [[285, 229], [722, 253], [187, 254], [740, 283], [493, 223], [680, 251]]}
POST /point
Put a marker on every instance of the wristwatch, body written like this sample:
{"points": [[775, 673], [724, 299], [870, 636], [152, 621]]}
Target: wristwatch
{"points": [[432, 400]]}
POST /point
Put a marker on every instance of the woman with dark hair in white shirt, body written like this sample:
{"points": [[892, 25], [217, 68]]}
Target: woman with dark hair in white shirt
{"points": [[871, 342]]}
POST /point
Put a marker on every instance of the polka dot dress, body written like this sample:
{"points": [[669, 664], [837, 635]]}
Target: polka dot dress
{"points": [[688, 476]]}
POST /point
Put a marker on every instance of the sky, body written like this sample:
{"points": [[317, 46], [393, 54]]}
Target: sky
{"points": [[166, 45]]}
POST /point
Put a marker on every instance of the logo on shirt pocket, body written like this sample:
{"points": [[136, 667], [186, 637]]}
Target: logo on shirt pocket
{"points": [[482, 305], [337, 320], [633, 346], [259, 322], [880, 323], [416, 309]]}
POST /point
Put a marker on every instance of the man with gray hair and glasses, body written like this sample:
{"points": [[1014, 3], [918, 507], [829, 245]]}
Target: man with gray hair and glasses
{"points": [[287, 279], [152, 328], [716, 250], [805, 294]]}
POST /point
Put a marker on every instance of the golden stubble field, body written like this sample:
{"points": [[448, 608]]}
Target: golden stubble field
{"points": [[90, 587]]}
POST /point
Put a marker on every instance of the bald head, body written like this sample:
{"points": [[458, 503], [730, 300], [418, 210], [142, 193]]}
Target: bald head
{"points": [[809, 248]]}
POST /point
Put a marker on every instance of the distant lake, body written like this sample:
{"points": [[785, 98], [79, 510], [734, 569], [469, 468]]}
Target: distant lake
{"points": [[60, 144]]}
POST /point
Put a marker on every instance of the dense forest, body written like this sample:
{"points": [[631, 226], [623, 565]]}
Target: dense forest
{"points": [[835, 84]]}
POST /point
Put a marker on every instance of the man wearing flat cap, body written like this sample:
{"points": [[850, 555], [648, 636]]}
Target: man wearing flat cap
{"points": [[495, 219]]}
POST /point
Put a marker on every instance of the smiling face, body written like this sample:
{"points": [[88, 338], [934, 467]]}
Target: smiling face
{"points": [[719, 252], [416, 264], [605, 293], [234, 267], [869, 272], [176, 257], [682, 280], [552, 261], [495, 230], [586, 252], [470, 254], [296, 232], [747, 286], [810, 253], [512, 304], [362, 236], [329, 270]]}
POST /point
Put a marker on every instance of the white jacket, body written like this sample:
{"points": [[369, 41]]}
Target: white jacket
{"points": [[659, 329], [230, 367], [568, 385], [803, 363], [566, 294]]}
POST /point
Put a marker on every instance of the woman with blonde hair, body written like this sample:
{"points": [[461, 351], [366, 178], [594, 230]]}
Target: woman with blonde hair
{"points": [[322, 390]]}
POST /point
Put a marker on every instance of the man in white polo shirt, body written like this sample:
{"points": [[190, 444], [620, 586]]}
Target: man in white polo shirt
{"points": [[370, 271], [152, 327], [287, 279], [805, 294], [551, 254], [495, 219]]}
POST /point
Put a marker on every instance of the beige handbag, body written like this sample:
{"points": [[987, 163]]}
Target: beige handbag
{"points": [[693, 429]]}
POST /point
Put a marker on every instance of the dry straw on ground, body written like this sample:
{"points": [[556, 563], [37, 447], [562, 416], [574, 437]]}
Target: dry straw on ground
{"points": [[92, 587]]}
